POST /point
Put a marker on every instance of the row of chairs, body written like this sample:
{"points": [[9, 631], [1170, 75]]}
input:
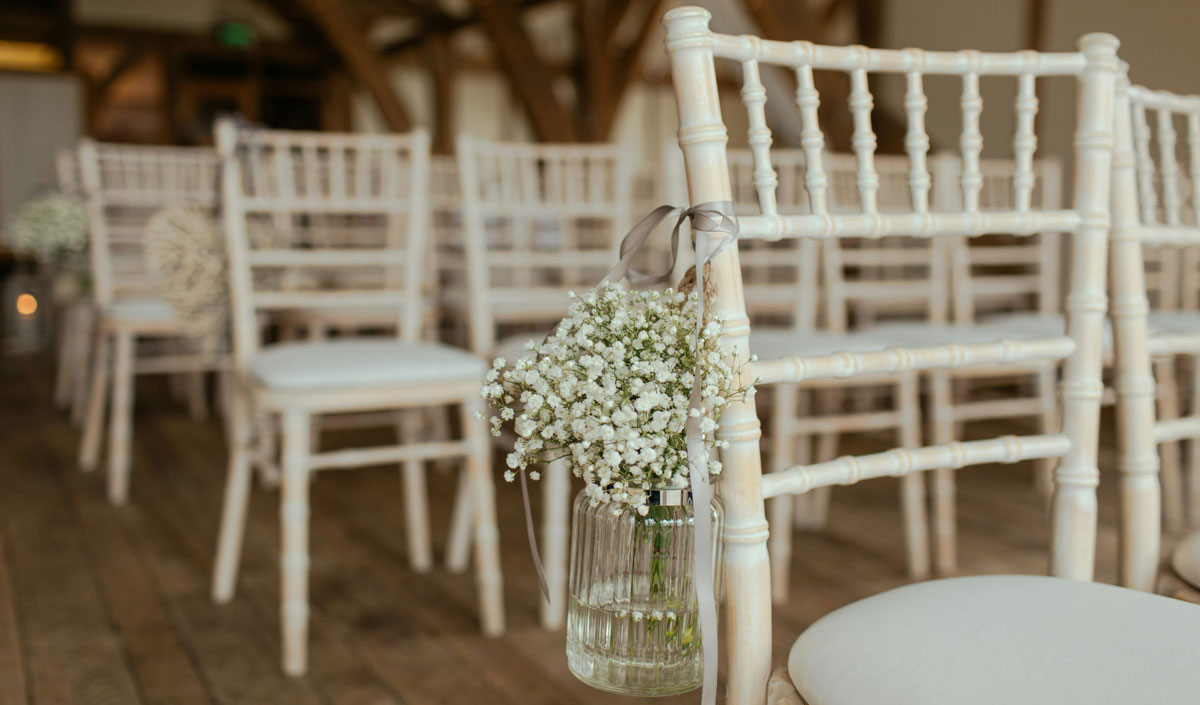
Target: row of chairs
{"points": [[528, 223], [978, 639]]}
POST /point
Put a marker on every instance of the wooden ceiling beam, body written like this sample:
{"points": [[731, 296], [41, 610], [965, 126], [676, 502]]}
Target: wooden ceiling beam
{"points": [[442, 67], [447, 24], [124, 62], [349, 39], [628, 64], [596, 60], [528, 76]]}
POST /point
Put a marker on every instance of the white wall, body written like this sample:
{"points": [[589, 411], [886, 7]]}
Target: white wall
{"points": [[483, 105], [197, 16], [39, 115], [1158, 39]]}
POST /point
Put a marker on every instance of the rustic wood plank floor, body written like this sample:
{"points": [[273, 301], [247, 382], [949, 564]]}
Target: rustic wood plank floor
{"points": [[110, 605]]}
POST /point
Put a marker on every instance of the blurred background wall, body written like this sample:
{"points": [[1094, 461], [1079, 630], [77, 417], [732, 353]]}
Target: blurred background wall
{"points": [[160, 70]]}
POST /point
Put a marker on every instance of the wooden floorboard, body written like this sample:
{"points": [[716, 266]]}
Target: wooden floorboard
{"points": [[100, 604], [13, 685]]}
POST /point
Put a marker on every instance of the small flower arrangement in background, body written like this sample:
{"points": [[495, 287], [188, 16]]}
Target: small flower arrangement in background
{"points": [[52, 228], [609, 392]]}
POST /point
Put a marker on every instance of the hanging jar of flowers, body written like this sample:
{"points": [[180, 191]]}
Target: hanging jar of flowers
{"points": [[610, 393]]}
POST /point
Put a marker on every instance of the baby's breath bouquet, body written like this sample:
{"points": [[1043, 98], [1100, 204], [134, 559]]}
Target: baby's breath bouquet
{"points": [[609, 392], [51, 228]]}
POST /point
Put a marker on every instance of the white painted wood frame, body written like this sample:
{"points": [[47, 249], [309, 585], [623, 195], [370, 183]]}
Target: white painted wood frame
{"points": [[124, 186], [305, 185], [693, 49]]}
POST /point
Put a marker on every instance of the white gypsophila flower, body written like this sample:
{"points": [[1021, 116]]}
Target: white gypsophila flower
{"points": [[50, 227], [609, 393]]}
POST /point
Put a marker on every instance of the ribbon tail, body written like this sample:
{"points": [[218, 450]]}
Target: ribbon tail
{"points": [[702, 553], [533, 547]]}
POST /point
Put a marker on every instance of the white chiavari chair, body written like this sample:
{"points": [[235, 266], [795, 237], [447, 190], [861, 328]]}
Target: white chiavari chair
{"points": [[1151, 211], [124, 186], [539, 221], [299, 183], [869, 280], [1008, 638]]}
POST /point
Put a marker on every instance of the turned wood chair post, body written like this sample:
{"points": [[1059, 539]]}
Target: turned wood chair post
{"points": [[1073, 512], [703, 137], [1139, 502]]}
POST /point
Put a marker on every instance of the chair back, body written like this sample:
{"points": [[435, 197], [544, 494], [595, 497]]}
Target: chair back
{"points": [[864, 279], [540, 220], [693, 50], [324, 221], [999, 272], [1166, 149], [124, 186]]}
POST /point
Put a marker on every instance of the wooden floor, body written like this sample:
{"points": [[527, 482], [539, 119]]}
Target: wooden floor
{"points": [[110, 605]]}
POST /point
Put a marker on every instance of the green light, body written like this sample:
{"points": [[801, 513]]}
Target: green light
{"points": [[235, 34]]}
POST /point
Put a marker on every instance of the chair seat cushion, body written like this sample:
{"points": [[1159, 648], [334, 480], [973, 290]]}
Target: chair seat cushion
{"points": [[1002, 640], [1174, 321], [1008, 326], [356, 363], [141, 310], [774, 343], [512, 347], [1186, 559]]}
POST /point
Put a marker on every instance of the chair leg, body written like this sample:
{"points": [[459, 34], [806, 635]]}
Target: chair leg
{"points": [[224, 393], [82, 361], [93, 427], [827, 448], [237, 496], [556, 527], [483, 515], [1171, 470], [416, 498], [784, 403], [1193, 470], [197, 396], [266, 446], [944, 523], [804, 506], [912, 486], [293, 518], [1047, 391], [121, 419], [64, 373], [458, 543]]}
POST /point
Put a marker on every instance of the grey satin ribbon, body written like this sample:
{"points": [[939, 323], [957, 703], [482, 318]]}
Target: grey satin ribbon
{"points": [[705, 218]]}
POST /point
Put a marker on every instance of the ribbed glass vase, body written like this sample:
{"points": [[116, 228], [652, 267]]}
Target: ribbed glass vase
{"points": [[632, 622]]}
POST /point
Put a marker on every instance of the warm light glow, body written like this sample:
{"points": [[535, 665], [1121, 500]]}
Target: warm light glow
{"points": [[26, 304], [29, 56]]}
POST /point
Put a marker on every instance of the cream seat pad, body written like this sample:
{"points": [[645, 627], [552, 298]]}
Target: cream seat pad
{"points": [[357, 363], [512, 348], [774, 343], [1001, 640], [147, 309]]}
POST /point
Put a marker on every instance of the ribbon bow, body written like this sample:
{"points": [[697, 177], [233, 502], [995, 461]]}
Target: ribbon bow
{"points": [[705, 218]]}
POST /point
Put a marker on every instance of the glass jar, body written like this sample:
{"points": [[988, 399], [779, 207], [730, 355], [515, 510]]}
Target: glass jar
{"points": [[632, 621]]}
